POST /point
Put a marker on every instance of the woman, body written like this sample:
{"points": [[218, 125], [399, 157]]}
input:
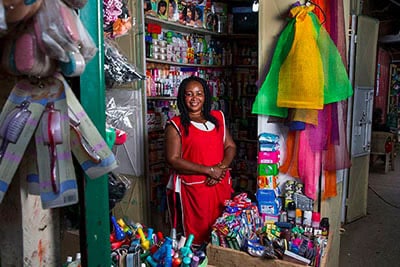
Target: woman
{"points": [[199, 149], [162, 9]]}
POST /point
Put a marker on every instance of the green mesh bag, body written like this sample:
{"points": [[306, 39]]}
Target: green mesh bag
{"points": [[265, 102], [337, 86]]}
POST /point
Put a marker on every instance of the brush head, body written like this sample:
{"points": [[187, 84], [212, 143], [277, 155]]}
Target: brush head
{"points": [[16, 126], [14, 122], [4, 126], [51, 126]]}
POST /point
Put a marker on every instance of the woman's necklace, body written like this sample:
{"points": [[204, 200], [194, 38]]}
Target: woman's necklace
{"points": [[199, 119]]}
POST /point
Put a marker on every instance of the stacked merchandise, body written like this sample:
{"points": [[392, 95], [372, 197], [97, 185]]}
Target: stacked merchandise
{"points": [[279, 226], [135, 245], [268, 169]]}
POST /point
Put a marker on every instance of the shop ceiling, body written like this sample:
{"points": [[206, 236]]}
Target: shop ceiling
{"points": [[388, 14]]}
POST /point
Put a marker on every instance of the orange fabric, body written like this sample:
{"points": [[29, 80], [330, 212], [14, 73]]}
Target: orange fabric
{"points": [[294, 166], [322, 5], [290, 139], [330, 185]]}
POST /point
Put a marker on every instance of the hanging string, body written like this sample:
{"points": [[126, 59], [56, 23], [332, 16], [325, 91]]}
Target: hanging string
{"points": [[307, 3]]}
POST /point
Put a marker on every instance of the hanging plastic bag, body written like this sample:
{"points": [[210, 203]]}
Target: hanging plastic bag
{"points": [[3, 24], [77, 4], [117, 186], [56, 30], [118, 70]]}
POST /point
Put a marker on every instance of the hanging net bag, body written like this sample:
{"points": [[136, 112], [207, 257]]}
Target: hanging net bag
{"points": [[265, 102], [301, 77]]}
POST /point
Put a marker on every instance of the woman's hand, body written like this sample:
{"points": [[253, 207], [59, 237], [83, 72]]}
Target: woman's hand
{"points": [[216, 174]]}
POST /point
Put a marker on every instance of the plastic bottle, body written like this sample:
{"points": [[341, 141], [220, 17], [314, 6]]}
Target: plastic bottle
{"points": [[315, 219], [77, 261], [324, 226], [307, 214], [291, 212], [68, 261], [299, 217]]}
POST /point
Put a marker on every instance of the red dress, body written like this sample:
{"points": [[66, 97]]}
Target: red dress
{"points": [[201, 204]]}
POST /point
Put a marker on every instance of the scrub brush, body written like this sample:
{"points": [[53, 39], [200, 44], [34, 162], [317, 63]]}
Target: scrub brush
{"points": [[13, 125], [52, 136]]}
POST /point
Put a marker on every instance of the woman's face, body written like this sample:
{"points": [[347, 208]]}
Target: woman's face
{"points": [[162, 10], [171, 10], [194, 97]]}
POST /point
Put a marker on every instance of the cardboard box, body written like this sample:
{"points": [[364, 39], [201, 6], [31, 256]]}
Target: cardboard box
{"points": [[222, 257]]}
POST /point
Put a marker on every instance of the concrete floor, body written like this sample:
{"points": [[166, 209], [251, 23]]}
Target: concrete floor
{"points": [[374, 240]]}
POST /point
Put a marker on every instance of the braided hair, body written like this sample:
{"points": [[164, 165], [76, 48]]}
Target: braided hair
{"points": [[184, 114]]}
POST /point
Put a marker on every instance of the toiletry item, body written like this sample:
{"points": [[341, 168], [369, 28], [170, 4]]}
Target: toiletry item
{"points": [[77, 261], [67, 262], [324, 226], [299, 217], [307, 214], [52, 136], [74, 123], [315, 219], [291, 212], [13, 126]]}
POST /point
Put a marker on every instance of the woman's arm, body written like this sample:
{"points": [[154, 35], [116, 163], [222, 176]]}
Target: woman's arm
{"points": [[229, 150], [174, 159]]}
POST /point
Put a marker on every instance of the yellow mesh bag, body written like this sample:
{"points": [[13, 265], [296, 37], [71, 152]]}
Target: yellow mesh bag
{"points": [[301, 77]]}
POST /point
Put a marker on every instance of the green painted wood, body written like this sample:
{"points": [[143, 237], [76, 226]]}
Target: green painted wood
{"points": [[92, 88]]}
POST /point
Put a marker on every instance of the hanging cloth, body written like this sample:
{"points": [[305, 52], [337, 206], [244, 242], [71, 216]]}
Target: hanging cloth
{"points": [[301, 77], [309, 165], [309, 116], [337, 86], [290, 164], [290, 139], [265, 102]]}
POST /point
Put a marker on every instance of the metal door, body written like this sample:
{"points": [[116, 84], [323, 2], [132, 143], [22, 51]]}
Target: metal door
{"points": [[364, 78]]}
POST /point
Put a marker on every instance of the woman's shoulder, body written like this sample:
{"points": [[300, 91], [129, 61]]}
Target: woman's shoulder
{"points": [[176, 120], [217, 113]]}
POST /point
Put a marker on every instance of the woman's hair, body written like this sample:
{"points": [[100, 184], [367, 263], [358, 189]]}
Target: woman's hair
{"points": [[162, 3], [199, 12], [148, 5], [184, 114], [185, 12]]}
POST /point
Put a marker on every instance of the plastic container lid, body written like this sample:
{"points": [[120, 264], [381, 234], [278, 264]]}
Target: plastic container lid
{"points": [[299, 212]]}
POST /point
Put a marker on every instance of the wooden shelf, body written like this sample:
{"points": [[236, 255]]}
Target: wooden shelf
{"points": [[165, 62], [172, 25], [161, 97]]}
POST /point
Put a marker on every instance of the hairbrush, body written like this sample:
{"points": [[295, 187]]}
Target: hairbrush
{"points": [[52, 136], [74, 122], [13, 126]]}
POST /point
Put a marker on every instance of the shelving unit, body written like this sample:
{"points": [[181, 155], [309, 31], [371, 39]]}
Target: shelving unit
{"points": [[393, 120], [230, 66]]}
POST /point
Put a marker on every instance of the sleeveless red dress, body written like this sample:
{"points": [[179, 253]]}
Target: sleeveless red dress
{"points": [[201, 204]]}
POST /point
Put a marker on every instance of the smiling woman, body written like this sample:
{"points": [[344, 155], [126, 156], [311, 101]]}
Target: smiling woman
{"points": [[198, 148]]}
